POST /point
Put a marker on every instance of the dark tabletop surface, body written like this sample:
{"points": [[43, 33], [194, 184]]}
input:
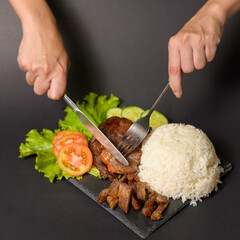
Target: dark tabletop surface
{"points": [[119, 47]]}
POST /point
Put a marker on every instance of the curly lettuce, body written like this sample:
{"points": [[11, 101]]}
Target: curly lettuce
{"points": [[40, 144], [96, 107]]}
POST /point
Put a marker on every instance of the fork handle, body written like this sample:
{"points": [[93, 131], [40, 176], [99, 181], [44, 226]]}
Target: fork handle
{"points": [[159, 99]]}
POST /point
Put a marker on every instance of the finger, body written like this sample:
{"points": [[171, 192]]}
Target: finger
{"points": [[174, 68], [30, 78], [199, 56], [41, 85], [23, 63], [210, 52], [186, 54], [36, 67], [211, 48], [58, 87]]}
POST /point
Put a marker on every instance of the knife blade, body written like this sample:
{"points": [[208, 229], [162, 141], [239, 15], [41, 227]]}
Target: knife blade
{"points": [[96, 132]]}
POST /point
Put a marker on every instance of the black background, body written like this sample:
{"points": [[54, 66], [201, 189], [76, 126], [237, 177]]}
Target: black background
{"points": [[119, 47]]}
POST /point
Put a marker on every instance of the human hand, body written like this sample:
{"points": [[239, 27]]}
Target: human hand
{"points": [[43, 57], [194, 45]]}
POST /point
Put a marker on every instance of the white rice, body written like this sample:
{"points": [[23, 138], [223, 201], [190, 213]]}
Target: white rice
{"points": [[179, 161]]}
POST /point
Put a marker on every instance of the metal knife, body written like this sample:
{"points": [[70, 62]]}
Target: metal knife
{"points": [[96, 132]]}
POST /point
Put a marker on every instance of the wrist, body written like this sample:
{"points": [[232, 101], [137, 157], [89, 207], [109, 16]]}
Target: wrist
{"points": [[215, 9], [33, 14], [223, 9], [38, 19]]}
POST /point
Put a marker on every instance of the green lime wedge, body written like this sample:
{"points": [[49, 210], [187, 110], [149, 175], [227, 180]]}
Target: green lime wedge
{"points": [[157, 119], [132, 113]]}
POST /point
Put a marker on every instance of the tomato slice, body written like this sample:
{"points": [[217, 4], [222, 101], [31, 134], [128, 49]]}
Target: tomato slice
{"points": [[60, 143], [75, 159], [64, 133]]}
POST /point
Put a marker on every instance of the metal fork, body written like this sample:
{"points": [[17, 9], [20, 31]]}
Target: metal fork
{"points": [[139, 129]]}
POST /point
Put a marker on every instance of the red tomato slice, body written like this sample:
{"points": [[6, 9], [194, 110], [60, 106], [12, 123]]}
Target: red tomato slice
{"points": [[75, 159], [64, 133], [76, 138]]}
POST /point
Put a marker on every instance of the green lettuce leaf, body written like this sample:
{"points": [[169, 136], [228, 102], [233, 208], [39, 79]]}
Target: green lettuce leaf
{"points": [[37, 143], [96, 107], [95, 172], [72, 122], [47, 164]]}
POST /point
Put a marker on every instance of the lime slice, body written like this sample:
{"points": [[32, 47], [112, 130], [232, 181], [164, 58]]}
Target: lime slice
{"points": [[114, 112], [132, 113], [157, 119]]}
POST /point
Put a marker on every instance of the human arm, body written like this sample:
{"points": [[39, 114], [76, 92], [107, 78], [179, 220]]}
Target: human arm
{"points": [[196, 43], [42, 54]]}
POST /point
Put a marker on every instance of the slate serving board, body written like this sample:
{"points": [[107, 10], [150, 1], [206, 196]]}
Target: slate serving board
{"points": [[135, 220]]}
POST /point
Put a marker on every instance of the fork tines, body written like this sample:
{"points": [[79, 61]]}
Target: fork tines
{"points": [[127, 144]]}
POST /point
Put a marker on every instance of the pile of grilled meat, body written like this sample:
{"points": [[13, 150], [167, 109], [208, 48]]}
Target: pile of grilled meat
{"points": [[128, 189]]}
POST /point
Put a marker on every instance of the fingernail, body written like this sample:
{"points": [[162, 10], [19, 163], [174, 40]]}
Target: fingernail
{"points": [[52, 95], [178, 94]]}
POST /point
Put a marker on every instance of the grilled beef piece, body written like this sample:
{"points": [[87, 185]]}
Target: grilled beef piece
{"points": [[160, 199], [111, 190], [114, 166], [139, 187], [149, 207], [157, 214], [124, 193], [163, 202], [102, 197], [140, 190], [136, 205], [123, 179], [114, 128], [113, 202], [132, 178], [114, 191]]}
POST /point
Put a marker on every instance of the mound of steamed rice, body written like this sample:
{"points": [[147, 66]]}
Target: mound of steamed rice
{"points": [[179, 161]]}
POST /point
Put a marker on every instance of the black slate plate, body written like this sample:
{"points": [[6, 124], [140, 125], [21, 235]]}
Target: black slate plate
{"points": [[135, 220]]}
